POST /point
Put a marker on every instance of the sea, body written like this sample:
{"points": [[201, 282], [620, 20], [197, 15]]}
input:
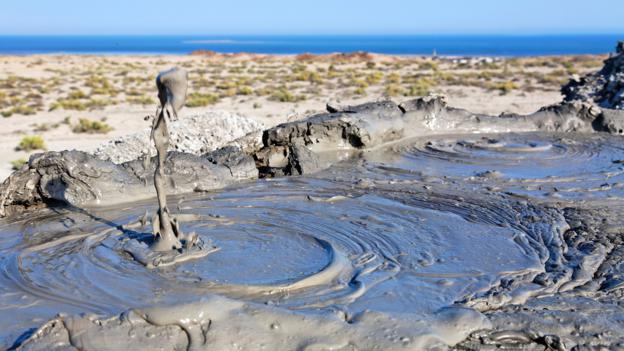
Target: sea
{"points": [[443, 45]]}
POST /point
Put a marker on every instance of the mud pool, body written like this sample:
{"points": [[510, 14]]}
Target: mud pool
{"points": [[409, 245]]}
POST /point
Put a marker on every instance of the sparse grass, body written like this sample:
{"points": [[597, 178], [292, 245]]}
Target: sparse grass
{"points": [[17, 164], [68, 104], [374, 78], [505, 87], [359, 91], [428, 65], [140, 100], [244, 90], [393, 90], [80, 105], [100, 85], [282, 94], [393, 78], [88, 126], [421, 87], [199, 99], [77, 94], [19, 110], [30, 143], [44, 127]]}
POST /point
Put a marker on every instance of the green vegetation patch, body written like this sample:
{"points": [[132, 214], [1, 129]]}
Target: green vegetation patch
{"points": [[30, 143], [88, 126]]}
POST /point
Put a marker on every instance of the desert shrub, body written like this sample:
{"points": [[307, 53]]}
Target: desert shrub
{"points": [[140, 100], [244, 90], [570, 69], [393, 78], [505, 87], [68, 104], [76, 94], [282, 94], [393, 90], [428, 65], [99, 103], [133, 92], [421, 87], [359, 91], [44, 127], [308, 76], [360, 83], [101, 86], [31, 142], [374, 78], [20, 110], [228, 92], [199, 99], [88, 126], [17, 164]]}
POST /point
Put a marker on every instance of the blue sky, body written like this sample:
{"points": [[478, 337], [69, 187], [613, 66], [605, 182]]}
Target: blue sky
{"points": [[311, 17]]}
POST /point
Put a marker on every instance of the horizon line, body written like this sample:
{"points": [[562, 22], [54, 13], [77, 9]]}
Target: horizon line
{"points": [[320, 34]]}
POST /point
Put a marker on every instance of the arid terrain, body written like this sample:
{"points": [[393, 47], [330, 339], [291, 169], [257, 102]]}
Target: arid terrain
{"points": [[57, 102]]}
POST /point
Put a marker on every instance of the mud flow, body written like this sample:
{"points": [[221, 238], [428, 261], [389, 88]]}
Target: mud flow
{"points": [[422, 243]]}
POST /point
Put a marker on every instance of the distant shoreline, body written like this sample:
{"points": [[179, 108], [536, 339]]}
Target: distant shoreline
{"points": [[225, 55], [398, 45]]}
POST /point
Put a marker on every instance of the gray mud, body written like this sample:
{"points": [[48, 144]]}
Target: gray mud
{"points": [[320, 246], [379, 226], [371, 253]]}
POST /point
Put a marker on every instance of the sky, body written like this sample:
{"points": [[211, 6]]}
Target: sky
{"points": [[317, 17]]}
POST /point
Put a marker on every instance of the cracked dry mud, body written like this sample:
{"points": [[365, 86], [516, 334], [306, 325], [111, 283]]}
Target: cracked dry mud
{"points": [[378, 226]]}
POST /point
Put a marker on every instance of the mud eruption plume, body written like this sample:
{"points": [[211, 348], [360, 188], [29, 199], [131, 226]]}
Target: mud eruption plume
{"points": [[172, 85]]}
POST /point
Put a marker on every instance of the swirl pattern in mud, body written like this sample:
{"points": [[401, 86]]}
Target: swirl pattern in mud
{"points": [[298, 243], [539, 165]]}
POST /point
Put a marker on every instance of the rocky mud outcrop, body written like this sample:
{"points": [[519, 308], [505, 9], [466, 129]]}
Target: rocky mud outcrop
{"points": [[605, 87], [299, 147]]}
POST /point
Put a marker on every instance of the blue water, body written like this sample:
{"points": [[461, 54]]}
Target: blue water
{"points": [[456, 45]]}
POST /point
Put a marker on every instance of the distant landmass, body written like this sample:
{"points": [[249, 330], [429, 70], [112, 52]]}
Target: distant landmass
{"points": [[449, 45]]}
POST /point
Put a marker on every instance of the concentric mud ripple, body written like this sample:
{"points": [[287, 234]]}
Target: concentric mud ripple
{"points": [[297, 243], [539, 165]]}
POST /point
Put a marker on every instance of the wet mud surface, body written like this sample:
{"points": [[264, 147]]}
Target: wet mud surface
{"points": [[421, 243], [547, 166]]}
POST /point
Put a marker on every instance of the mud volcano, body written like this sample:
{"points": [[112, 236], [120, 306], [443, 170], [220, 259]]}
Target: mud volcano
{"points": [[378, 226]]}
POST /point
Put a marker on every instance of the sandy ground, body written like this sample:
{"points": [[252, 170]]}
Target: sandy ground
{"points": [[48, 95]]}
